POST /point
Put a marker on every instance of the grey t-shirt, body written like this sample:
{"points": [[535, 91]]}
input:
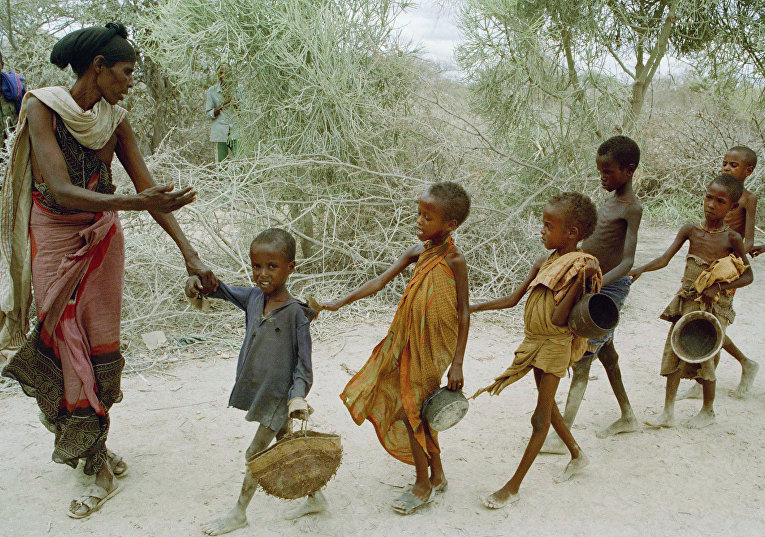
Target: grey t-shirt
{"points": [[274, 363]]}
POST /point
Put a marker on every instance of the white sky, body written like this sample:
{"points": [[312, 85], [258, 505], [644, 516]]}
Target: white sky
{"points": [[431, 25]]}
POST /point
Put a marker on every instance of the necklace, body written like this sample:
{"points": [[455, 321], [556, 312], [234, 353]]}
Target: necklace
{"points": [[722, 228]]}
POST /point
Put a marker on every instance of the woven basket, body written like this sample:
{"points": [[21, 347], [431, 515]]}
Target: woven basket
{"points": [[297, 465]]}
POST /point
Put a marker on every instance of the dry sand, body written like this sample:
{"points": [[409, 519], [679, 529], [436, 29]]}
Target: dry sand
{"points": [[185, 448]]}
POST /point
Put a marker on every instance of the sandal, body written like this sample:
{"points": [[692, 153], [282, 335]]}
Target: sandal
{"points": [[91, 501], [118, 466], [408, 502]]}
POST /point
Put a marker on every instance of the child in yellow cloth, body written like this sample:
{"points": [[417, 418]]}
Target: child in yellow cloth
{"points": [[549, 347], [428, 335], [704, 288]]}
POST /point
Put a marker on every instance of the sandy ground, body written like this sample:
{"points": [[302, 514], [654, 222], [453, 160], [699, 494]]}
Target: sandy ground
{"points": [[185, 448]]}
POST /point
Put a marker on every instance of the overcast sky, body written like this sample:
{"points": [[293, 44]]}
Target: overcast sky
{"points": [[432, 26]]}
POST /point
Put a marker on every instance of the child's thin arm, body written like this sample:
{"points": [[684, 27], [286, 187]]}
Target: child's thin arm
{"points": [[238, 296], [513, 298], [563, 308], [455, 378], [374, 285], [751, 215], [302, 376], [663, 260], [633, 217]]}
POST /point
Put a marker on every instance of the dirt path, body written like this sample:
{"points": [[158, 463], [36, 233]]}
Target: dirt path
{"points": [[185, 448]]}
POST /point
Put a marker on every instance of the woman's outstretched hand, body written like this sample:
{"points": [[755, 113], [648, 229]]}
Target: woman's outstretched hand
{"points": [[163, 198]]}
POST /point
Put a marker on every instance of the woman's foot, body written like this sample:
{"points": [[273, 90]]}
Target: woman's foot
{"points": [[408, 502], [232, 521], [500, 499], [315, 503], [118, 466], [572, 468], [92, 500]]}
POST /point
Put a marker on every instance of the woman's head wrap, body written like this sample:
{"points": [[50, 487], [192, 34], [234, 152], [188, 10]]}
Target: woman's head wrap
{"points": [[80, 47]]}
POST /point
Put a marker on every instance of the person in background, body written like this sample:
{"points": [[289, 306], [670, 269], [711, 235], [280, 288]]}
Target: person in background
{"points": [[221, 108]]}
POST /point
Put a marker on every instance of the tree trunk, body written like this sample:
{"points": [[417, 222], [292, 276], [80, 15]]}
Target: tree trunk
{"points": [[11, 39]]}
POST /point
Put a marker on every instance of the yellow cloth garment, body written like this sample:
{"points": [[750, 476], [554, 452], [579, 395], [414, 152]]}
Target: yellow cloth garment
{"points": [[723, 270], [546, 346], [92, 128]]}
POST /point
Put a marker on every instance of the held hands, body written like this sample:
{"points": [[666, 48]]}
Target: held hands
{"points": [[332, 306], [635, 274], [162, 199], [193, 286], [455, 379], [208, 281]]}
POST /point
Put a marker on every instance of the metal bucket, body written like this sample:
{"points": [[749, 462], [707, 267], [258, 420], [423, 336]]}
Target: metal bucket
{"points": [[697, 337], [444, 409], [594, 316]]}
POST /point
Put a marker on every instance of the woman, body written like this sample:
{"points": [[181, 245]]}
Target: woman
{"points": [[58, 197]]}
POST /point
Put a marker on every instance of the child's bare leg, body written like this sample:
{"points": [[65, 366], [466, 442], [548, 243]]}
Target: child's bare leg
{"points": [[706, 415], [667, 418], [749, 369], [578, 459], [437, 476], [579, 380], [627, 423], [540, 424], [237, 517]]}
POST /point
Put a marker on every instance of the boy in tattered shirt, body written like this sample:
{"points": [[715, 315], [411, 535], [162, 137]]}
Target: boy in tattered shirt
{"points": [[273, 373]]}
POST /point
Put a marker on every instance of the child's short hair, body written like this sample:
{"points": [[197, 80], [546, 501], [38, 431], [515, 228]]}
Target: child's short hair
{"points": [[750, 157], [732, 186], [455, 202], [277, 237], [578, 210], [623, 150]]}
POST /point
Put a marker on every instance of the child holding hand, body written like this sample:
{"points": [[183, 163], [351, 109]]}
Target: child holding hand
{"points": [[274, 372], [549, 347], [428, 335]]}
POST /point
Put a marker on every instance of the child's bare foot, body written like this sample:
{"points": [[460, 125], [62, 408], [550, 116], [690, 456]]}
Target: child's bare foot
{"points": [[573, 467], [312, 504], [666, 421], [625, 424], [232, 521], [704, 418], [694, 392], [554, 445], [500, 499], [749, 370]]}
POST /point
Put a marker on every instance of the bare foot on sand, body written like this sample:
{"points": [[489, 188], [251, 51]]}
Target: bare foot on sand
{"points": [[499, 499], [312, 504], [554, 445], [748, 372], [694, 392], [627, 424], [573, 467], [233, 521], [703, 419], [666, 421]]}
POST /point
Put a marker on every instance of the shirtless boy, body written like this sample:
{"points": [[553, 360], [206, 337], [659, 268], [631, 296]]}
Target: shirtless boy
{"points": [[709, 241], [613, 243], [739, 162]]}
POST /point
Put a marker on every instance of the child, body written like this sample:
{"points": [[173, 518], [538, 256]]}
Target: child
{"points": [[738, 162], [273, 373], [428, 335], [549, 347], [613, 243], [709, 241]]}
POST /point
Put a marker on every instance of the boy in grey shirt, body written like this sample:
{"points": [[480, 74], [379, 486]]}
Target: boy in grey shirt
{"points": [[273, 373]]}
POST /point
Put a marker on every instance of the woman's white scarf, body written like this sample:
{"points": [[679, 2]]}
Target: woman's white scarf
{"points": [[92, 128]]}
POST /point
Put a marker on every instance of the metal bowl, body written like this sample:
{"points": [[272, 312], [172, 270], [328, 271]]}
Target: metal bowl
{"points": [[444, 409]]}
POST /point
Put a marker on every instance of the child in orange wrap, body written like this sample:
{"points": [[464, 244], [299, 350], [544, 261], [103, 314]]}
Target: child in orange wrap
{"points": [[427, 336]]}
